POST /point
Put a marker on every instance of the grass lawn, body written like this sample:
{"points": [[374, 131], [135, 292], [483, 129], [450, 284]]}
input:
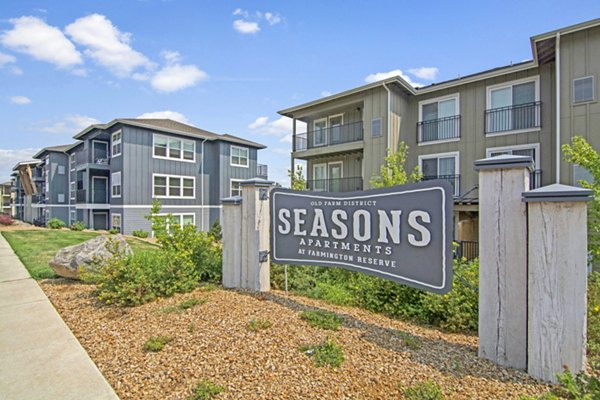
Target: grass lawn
{"points": [[35, 248]]}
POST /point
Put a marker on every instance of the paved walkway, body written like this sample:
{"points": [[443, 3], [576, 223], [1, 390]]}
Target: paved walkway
{"points": [[39, 356]]}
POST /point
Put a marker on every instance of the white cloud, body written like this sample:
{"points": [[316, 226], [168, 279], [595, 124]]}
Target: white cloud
{"points": [[21, 100], [16, 70], [243, 13], [176, 77], [32, 36], [272, 19], [427, 73], [379, 76], [326, 93], [258, 122], [284, 151], [107, 45], [246, 27], [171, 57], [287, 138], [174, 115], [280, 127], [10, 157], [6, 59], [71, 124]]}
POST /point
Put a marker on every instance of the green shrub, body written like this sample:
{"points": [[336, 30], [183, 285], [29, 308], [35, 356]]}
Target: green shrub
{"points": [[184, 305], [216, 232], [157, 343], [55, 223], [206, 390], [140, 233], [428, 390], [593, 333], [578, 387], [113, 231], [77, 226], [322, 319], [257, 324], [325, 354]]}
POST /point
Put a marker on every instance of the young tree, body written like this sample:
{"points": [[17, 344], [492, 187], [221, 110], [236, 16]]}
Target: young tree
{"points": [[581, 153], [297, 179], [393, 171]]}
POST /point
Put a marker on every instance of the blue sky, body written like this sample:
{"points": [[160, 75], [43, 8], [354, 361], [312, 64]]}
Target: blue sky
{"points": [[228, 66]]}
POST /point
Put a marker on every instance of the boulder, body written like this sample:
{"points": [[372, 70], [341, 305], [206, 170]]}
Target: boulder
{"points": [[69, 260]]}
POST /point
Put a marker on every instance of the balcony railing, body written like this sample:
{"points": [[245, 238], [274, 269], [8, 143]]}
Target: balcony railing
{"points": [[335, 185], [453, 179], [82, 157], [262, 171], [467, 249], [513, 118], [95, 197], [535, 179], [438, 129], [329, 136]]}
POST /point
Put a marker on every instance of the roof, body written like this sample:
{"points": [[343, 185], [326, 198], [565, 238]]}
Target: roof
{"points": [[171, 126], [59, 149], [29, 162]]}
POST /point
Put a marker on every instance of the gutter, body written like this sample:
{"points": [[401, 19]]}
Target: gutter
{"points": [[389, 112], [202, 183], [557, 63]]}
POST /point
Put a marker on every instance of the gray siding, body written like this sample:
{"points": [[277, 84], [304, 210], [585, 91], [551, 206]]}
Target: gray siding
{"points": [[228, 171]]}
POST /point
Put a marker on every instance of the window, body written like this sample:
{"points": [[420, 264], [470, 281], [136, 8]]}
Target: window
{"points": [[439, 119], [583, 89], [115, 222], [441, 166], [179, 219], [116, 184], [513, 107], [239, 156], [376, 127], [174, 149], [73, 190], [72, 161], [174, 186], [236, 188], [320, 132], [61, 197], [116, 146], [532, 150], [72, 216], [61, 170]]}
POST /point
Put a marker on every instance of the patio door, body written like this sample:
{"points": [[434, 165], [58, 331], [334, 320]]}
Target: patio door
{"points": [[334, 177], [99, 190], [320, 177], [335, 128], [100, 152]]}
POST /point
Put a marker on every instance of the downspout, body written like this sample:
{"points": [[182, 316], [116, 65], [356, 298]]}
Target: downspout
{"points": [[202, 184], [557, 61], [389, 120]]}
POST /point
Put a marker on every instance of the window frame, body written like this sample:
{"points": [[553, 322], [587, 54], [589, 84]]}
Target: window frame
{"points": [[324, 119], [246, 149], [231, 187], [455, 154], [488, 103], [170, 139], [456, 97], [168, 178], [380, 120], [112, 185], [114, 142], [72, 190], [112, 225], [593, 99], [535, 146], [58, 169]]}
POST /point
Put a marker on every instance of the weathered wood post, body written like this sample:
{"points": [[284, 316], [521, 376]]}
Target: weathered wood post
{"points": [[232, 241], [503, 259], [255, 235], [557, 219]]}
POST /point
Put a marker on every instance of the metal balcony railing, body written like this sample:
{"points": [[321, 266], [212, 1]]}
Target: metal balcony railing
{"points": [[513, 118], [467, 249], [335, 185], [329, 136], [453, 179], [91, 197], [438, 129], [82, 157], [262, 171], [535, 179]]}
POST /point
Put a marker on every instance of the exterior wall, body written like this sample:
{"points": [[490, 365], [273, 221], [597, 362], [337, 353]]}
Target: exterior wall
{"points": [[375, 148], [134, 218], [229, 172]]}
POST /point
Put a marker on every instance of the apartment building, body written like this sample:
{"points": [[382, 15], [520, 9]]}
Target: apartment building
{"points": [[116, 169], [6, 198], [529, 108]]}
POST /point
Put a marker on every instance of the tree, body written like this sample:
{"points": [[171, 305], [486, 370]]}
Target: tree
{"points": [[297, 179], [393, 171], [581, 153]]}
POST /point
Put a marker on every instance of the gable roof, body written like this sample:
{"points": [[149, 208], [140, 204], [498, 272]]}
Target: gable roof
{"points": [[58, 149], [171, 126]]}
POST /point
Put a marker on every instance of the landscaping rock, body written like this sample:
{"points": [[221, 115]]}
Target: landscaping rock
{"points": [[69, 260]]}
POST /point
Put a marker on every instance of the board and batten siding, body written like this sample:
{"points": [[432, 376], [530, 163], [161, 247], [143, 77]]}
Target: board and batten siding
{"points": [[374, 148], [228, 171], [135, 218]]}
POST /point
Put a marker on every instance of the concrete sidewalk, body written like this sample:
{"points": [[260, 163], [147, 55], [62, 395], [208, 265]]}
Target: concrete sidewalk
{"points": [[40, 358]]}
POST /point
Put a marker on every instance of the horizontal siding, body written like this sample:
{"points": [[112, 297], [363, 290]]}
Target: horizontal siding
{"points": [[134, 218]]}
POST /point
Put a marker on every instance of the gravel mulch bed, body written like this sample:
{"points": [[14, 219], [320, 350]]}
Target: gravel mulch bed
{"points": [[212, 341]]}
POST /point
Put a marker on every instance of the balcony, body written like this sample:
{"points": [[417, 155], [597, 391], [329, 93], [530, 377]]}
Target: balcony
{"points": [[91, 197], [453, 179], [535, 179], [329, 137], [335, 185], [262, 171], [513, 118], [83, 157], [447, 128], [37, 174]]}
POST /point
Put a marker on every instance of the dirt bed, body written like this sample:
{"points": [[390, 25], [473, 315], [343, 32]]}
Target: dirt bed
{"points": [[212, 341]]}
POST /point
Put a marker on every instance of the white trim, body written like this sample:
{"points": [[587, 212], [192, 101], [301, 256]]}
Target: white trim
{"points": [[112, 136], [181, 141], [516, 131], [111, 225], [181, 178], [101, 213], [489, 89], [164, 206], [380, 127], [439, 141], [593, 91], [247, 149], [535, 146], [315, 144], [105, 178], [231, 186], [112, 185], [71, 219], [90, 206], [314, 179], [333, 163], [180, 216], [44, 205], [455, 154], [94, 141], [437, 100]]}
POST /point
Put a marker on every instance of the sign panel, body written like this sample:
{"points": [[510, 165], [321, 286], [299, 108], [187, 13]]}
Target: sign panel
{"points": [[400, 233]]}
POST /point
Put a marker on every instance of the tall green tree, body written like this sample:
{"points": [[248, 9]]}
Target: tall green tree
{"points": [[298, 181], [393, 171], [581, 153]]}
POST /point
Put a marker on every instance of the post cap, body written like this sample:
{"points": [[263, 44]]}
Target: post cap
{"points": [[504, 162], [558, 193], [235, 200], [256, 182]]}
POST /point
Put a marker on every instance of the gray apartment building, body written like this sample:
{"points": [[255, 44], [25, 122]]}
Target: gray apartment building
{"points": [[530, 108], [6, 198], [114, 171]]}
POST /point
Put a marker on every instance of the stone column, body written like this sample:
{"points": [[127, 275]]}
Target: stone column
{"points": [[503, 259], [232, 242], [557, 219], [255, 271]]}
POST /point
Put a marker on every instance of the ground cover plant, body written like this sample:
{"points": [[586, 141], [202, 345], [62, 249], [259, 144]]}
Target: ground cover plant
{"points": [[206, 390], [157, 343], [322, 319], [56, 223], [77, 226], [428, 390], [258, 324], [184, 305], [323, 354]]}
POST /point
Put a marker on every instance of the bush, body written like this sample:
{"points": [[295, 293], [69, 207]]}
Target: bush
{"points": [[325, 354], [157, 343], [322, 319], [593, 333], [77, 226], [206, 390], [56, 223], [578, 387], [113, 231], [257, 324], [428, 390], [6, 219], [141, 233], [216, 232]]}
